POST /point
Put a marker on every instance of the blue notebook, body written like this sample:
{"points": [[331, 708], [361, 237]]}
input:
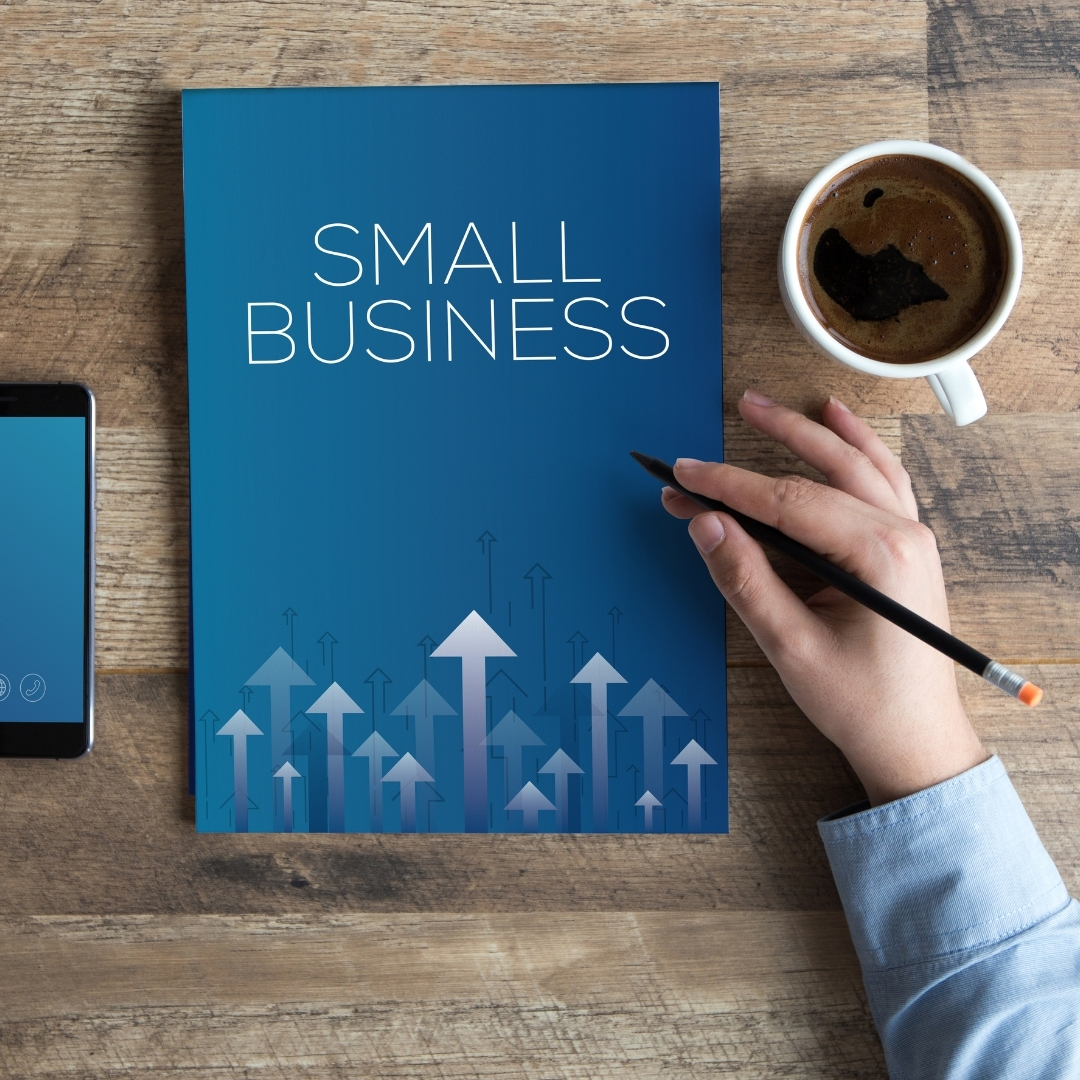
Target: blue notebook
{"points": [[431, 591]]}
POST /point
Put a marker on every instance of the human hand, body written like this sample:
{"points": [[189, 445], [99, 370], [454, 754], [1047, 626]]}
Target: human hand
{"points": [[886, 699]]}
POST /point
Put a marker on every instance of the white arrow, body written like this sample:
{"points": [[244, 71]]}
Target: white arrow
{"points": [[280, 673], [375, 748], [599, 673], [652, 704], [695, 758], [288, 774], [530, 800], [239, 726], [424, 703], [650, 802], [334, 703], [408, 772], [474, 641], [562, 766]]}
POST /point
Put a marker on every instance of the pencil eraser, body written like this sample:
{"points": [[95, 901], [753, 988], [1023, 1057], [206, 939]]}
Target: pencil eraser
{"points": [[1030, 694]]}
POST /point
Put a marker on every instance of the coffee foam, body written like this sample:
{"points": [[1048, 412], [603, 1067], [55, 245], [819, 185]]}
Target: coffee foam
{"points": [[912, 253]]}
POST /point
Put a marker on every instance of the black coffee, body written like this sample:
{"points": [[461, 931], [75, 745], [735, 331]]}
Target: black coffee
{"points": [[905, 259]]}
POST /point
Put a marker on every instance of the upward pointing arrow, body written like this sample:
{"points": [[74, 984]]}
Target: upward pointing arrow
{"points": [[334, 703], [562, 766], [408, 772], [530, 800], [378, 675], [375, 748], [512, 733], [474, 641], [239, 726], [652, 704], [650, 802], [599, 674], [424, 703], [287, 774], [280, 673], [695, 759]]}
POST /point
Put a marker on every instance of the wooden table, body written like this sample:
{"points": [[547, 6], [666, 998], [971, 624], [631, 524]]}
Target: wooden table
{"points": [[130, 945]]}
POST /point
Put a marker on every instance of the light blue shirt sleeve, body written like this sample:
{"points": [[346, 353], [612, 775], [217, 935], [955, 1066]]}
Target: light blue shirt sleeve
{"points": [[968, 940]]}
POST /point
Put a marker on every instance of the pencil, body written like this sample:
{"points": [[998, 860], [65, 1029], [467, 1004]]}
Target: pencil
{"points": [[993, 672]]}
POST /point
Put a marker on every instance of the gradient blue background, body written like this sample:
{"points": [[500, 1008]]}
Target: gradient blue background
{"points": [[355, 493], [42, 569]]}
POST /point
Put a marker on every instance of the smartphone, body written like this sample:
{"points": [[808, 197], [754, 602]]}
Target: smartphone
{"points": [[46, 570]]}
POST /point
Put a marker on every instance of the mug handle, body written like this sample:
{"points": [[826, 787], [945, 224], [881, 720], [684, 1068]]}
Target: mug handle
{"points": [[959, 392]]}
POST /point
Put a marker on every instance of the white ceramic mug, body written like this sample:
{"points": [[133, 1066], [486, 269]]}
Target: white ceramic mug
{"points": [[950, 376]]}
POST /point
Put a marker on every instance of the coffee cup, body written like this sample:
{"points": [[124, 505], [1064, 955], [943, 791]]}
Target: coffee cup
{"points": [[918, 305]]}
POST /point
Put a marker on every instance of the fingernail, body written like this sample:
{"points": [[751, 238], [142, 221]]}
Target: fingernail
{"points": [[707, 532], [667, 493], [688, 463], [839, 404], [756, 398]]}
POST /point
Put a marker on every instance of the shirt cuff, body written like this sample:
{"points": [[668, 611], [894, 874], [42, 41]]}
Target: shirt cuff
{"points": [[956, 867]]}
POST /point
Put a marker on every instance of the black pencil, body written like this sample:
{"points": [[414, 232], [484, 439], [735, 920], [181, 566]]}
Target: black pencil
{"points": [[993, 672]]}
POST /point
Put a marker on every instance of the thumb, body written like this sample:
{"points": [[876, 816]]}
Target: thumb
{"points": [[780, 622]]}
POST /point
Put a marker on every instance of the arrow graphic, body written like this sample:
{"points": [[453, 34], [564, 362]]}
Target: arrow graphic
{"points": [[326, 640], [576, 641], [485, 541], [246, 692], [702, 717], [652, 704], [211, 718], [538, 573], [334, 703], [616, 618], [290, 618], [375, 748], [408, 772], [530, 800], [650, 802], [424, 703], [378, 675], [280, 673], [512, 734], [695, 759], [562, 766], [598, 673], [288, 774], [474, 641], [426, 643], [239, 726]]}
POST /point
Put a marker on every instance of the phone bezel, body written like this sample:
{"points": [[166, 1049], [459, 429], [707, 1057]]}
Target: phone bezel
{"points": [[60, 740]]}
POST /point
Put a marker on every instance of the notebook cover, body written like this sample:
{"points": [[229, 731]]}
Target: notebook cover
{"points": [[431, 591]]}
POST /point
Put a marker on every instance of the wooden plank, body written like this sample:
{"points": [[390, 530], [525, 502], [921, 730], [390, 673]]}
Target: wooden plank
{"points": [[744, 994], [1003, 81], [91, 235]]}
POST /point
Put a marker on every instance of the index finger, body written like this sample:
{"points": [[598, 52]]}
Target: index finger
{"points": [[855, 535]]}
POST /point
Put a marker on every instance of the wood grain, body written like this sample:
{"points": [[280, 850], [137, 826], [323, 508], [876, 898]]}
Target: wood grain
{"points": [[1004, 82], [653, 995]]}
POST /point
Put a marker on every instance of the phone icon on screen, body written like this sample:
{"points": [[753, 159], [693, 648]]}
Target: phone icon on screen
{"points": [[32, 687]]}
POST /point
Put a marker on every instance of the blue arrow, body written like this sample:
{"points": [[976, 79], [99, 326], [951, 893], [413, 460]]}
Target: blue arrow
{"points": [[598, 673], [240, 727], [408, 772], [328, 639], [485, 541], [334, 703], [426, 643], [375, 748], [652, 704], [616, 618], [424, 703], [280, 673], [474, 641], [512, 734], [695, 759], [290, 617], [287, 774], [530, 800], [562, 766], [538, 573], [650, 802], [377, 675]]}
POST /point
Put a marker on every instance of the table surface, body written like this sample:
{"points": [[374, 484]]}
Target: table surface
{"points": [[129, 944]]}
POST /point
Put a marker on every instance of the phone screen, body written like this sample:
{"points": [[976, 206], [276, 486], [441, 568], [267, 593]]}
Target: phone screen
{"points": [[44, 594]]}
